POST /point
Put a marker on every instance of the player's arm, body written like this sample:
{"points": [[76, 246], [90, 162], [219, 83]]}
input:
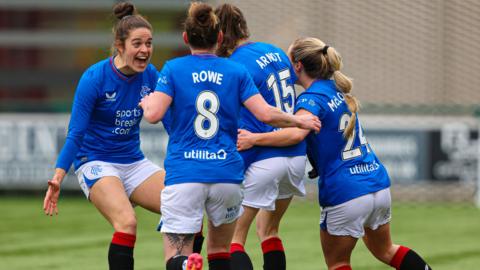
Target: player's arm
{"points": [[275, 117], [83, 104], [279, 138], [155, 106]]}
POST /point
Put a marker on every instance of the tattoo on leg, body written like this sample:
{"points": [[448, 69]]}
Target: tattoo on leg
{"points": [[179, 241]]}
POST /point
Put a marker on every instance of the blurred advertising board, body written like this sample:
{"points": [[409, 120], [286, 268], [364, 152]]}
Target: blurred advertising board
{"points": [[30, 143], [416, 150]]}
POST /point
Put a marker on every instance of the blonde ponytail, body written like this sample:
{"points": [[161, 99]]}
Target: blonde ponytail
{"points": [[344, 84], [321, 61]]}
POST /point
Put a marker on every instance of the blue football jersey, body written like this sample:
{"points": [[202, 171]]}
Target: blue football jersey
{"points": [[348, 168], [207, 92], [105, 118], [274, 77]]}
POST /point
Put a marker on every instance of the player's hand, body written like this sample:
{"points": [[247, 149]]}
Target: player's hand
{"points": [[309, 121], [51, 197], [142, 102], [244, 140]]}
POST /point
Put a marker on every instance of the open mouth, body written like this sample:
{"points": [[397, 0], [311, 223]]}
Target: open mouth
{"points": [[141, 60]]}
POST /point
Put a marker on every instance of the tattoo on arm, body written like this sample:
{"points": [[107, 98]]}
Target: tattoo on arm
{"points": [[179, 241]]}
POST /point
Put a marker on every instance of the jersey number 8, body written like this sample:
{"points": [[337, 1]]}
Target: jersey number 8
{"points": [[207, 105]]}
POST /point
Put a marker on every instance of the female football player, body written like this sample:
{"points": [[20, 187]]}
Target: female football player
{"points": [[204, 94], [353, 185], [103, 136], [273, 175]]}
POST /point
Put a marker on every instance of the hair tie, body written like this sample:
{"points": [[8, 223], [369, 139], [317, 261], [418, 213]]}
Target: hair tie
{"points": [[125, 17], [324, 50]]}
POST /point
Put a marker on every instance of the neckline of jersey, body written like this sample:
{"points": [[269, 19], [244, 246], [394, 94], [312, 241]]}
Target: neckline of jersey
{"points": [[204, 55], [120, 74], [243, 45]]}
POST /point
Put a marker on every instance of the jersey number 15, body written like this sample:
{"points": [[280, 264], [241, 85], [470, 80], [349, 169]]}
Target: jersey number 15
{"points": [[283, 91]]}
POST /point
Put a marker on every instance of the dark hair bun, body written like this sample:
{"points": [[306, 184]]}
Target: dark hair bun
{"points": [[123, 9], [202, 14]]}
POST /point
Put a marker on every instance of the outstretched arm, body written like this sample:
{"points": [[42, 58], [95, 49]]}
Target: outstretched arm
{"points": [[279, 138], [275, 117]]}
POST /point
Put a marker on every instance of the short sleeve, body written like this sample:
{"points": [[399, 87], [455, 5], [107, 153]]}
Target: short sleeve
{"points": [[312, 103], [164, 82], [247, 86]]}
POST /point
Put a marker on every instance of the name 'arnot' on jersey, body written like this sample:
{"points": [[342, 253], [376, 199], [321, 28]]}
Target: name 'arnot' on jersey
{"points": [[268, 58]]}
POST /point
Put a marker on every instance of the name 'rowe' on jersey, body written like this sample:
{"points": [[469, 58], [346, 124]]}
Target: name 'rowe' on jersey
{"points": [[207, 92]]}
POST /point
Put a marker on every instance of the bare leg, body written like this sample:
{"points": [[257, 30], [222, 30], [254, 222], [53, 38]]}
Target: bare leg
{"points": [[243, 225], [380, 243], [268, 222], [147, 194], [177, 244], [336, 249], [109, 197]]}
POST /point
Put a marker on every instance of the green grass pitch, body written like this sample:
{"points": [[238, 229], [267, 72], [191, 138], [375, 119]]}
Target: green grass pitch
{"points": [[448, 236]]}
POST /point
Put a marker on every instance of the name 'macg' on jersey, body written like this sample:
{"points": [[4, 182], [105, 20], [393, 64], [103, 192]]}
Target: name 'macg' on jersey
{"points": [[348, 168], [105, 119], [207, 92], [274, 77]]}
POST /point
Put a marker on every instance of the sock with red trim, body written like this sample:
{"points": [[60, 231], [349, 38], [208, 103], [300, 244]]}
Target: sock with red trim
{"points": [[407, 259], [273, 254], [239, 258], [219, 261], [120, 253], [344, 267]]}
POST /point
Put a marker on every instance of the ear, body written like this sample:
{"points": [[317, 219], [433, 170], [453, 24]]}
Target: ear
{"points": [[185, 38], [298, 66], [220, 38], [119, 47]]}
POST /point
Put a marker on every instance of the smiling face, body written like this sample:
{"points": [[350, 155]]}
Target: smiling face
{"points": [[136, 52]]}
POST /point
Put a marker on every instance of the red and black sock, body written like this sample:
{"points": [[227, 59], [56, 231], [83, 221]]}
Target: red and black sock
{"points": [[273, 254], [198, 241], [344, 267], [239, 258], [176, 262], [120, 253], [407, 259], [219, 261]]}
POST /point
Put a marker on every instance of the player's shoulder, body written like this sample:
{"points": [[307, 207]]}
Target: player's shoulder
{"points": [[151, 69], [97, 70], [316, 91]]}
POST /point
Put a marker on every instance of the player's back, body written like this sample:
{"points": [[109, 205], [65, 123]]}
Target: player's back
{"points": [[207, 92], [348, 167], [274, 77]]}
